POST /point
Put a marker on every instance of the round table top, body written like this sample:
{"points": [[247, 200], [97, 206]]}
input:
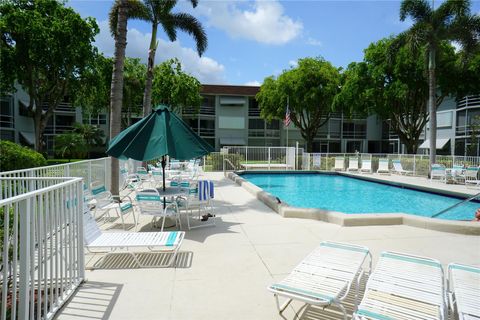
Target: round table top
{"points": [[171, 192]]}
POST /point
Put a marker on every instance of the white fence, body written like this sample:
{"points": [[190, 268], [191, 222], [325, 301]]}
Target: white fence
{"points": [[41, 246], [283, 158], [89, 170]]}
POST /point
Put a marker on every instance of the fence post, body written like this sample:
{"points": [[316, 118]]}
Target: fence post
{"points": [[80, 249], [24, 280], [89, 174], [246, 155], [414, 167], [67, 167], [269, 158]]}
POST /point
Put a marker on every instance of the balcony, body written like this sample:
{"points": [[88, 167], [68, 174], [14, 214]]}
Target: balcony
{"points": [[207, 132], [354, 134]]}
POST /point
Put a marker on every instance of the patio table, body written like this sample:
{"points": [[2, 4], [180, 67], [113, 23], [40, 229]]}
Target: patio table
{"points": [[454, 175], [170, 193]]}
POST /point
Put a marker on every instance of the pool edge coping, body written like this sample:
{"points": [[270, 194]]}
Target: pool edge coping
{"points": [[351, 220]]}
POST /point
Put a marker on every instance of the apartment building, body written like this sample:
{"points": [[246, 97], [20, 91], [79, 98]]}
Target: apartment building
{"points": [[229, 116]]}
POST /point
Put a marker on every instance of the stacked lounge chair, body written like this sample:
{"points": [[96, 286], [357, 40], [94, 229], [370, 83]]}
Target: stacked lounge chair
{"points": [[352, 164], [464, 290], [404, 286]]}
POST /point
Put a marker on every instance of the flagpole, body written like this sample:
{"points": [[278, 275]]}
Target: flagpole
{"points": [[288, 108]]}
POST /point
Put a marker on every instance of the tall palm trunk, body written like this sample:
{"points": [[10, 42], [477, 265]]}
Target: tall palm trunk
{"points": [[147, 96], [116, 91], [432, 106]]}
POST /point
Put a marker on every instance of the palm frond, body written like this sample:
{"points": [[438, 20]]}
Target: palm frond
{"points": [[466, 31], [192, 26], [135, 10], [451, 9], [418, 10], [170, 29], [194, 3]]}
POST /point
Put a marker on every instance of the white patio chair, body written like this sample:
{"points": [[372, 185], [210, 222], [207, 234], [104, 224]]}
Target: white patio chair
{"points": [[324, 277], [438, 171], [383, 166], [130, 242], [397, 168], [200, 199], [404, 286], [339, 164], [144, 176], [157, 177], [471, 176], [151, 203], [366, 166], [464, 290], [352, 164], [103, 200]]}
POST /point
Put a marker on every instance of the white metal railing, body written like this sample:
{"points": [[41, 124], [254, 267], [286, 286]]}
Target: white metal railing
{"points": [[270, 158], [42, 257], [89, 170]]}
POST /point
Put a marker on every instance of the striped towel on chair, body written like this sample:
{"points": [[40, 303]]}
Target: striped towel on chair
{"points": [[205, 190]]}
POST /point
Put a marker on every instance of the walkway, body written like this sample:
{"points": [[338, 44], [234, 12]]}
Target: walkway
{"points": [[224, 271]]}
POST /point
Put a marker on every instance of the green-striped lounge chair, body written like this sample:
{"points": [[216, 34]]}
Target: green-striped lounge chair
{"points": [[130, 242], [383, 166], [464, 290], [404, 287], [339, 164], [324, 277]]}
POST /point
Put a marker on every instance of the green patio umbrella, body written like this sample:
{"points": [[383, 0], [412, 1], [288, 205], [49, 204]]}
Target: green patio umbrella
{"points": [[160, 134]]}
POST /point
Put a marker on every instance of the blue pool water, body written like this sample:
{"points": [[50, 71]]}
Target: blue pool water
{"points": [[349, 195]]}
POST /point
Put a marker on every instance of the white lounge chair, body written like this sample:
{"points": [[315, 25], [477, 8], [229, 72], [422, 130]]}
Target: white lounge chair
{"points": [[352, 164], [438, 171], [397, 168], [114, 242], [142, 173], [339, 164], [471, 176], [404, 286], [464, 290], [383, 166], [366, 166], [324, 277]]}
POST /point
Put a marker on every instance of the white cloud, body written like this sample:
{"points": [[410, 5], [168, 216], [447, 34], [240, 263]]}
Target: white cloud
{"points": [[262, 21], [293, 63], [314, 42], [205, 69], [253, 83]]}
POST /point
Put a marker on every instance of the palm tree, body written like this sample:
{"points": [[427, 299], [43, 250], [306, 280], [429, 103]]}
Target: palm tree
{"points": [[92, 135], [118, 14], [451, 21], [159, 12]]}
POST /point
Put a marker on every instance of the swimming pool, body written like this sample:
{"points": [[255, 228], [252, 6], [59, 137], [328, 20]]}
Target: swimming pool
{"points": [[350, 195]]}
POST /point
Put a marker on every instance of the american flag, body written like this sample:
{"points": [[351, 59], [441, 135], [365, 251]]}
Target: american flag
{"points": [[287, 120]]}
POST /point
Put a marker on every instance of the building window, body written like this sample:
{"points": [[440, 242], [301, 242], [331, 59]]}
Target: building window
{"points": [[22, 109], [207, 127], [7, 135], [253, 109], [102, 119], [6, 113]]}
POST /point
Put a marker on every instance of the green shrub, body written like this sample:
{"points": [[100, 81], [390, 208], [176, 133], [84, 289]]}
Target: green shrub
{"points": [[15, 157]]}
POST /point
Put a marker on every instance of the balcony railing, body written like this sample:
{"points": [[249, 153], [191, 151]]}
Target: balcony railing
{"points": [[354, 134], [207, 132], [469, 101]]}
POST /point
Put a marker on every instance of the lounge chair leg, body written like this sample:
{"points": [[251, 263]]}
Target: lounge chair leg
{"points": [[284, 306], [343, 311]]}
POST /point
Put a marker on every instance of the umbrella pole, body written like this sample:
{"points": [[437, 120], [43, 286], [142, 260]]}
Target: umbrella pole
{"points": [[164, 164]]}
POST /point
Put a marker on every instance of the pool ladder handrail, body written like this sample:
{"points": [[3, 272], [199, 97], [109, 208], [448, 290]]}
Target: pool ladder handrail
{"points": [[456, 205]]}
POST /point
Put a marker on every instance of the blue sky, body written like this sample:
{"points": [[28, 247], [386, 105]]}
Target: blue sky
{"points": [[251, 40]]}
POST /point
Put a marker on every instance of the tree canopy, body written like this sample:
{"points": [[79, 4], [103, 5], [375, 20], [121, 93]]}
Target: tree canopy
{"points": [[452, 20], [45, 47], [310, 89], [392, 83], [93, 95], [174, 87]]}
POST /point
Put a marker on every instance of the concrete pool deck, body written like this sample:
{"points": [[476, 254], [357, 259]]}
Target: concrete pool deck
{"points": [[418, 183], [223, 271]]}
